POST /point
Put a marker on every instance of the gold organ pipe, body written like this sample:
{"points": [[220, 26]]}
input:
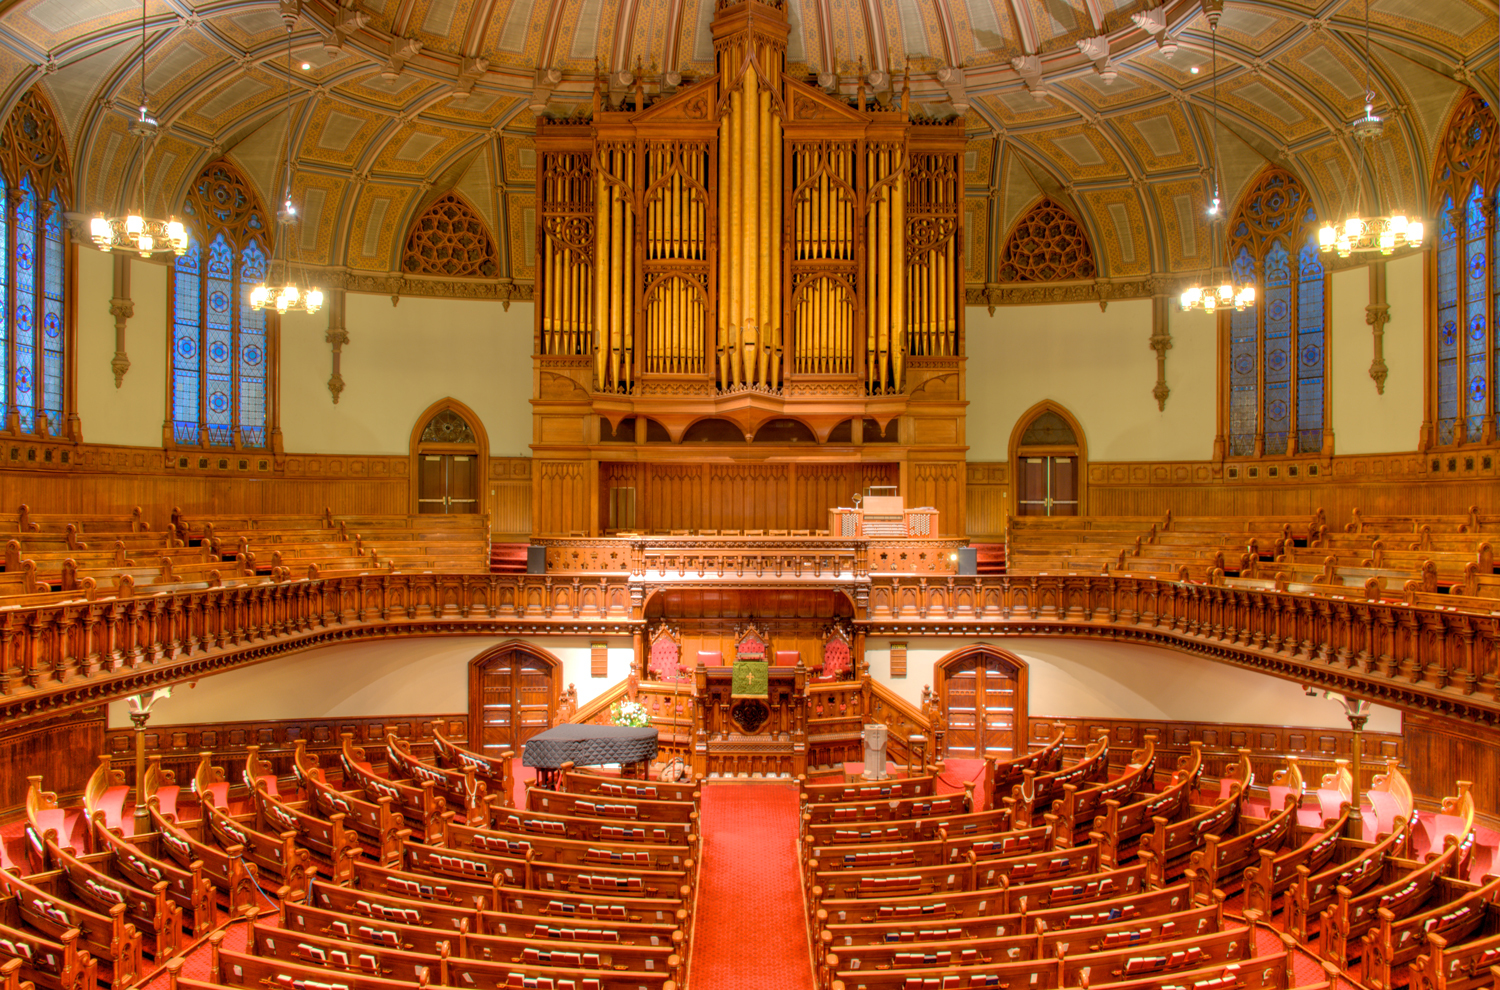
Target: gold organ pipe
{"points": [[774, 240], [601, 238], [883, 290], [898, 266], [733, 245], [721, 258], [616, 276], [871, 369], [627, 311], [749, 158]]}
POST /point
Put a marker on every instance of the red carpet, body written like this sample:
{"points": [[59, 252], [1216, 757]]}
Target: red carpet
{"points": [[751, 928]]}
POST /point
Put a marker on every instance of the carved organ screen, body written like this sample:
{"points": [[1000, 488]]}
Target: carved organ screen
{"points": [[748, 248]]}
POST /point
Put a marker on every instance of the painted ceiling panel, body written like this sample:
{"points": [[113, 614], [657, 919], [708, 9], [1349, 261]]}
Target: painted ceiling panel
{"points": [[49, 24], [983, 35], [1122, 247], [76, 86], [478, 186]]}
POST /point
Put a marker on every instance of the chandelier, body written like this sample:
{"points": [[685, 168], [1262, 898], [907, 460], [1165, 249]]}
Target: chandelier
{"points": [[1222, 291], [1362, 234], [135, 231], [287, 296]]}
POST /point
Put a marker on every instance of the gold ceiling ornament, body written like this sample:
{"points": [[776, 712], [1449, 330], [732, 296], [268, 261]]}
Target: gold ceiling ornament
{"points": [[135, 231], [1222, 290], [287, 295], [1360, 234]]}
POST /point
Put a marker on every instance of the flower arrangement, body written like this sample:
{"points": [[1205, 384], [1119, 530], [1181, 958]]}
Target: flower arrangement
{"points": [[631, 713]]}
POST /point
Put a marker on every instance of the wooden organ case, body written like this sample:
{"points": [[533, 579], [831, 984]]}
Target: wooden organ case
{"points": [[748, 302]]}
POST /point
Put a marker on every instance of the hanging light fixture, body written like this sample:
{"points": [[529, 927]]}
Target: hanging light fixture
{"points": [[287, 296], [1222, 291], [1363, 234], [135, 231]]}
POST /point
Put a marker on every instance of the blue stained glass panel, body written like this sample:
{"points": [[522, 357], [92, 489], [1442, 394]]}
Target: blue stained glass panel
{"points": [[1476, 329], [1310, 342], [1447, 316], [1243, 379], [52, 316], [252, 351], [1277, 335], [4, 295], [187, 343], [218, 343], [26, 229]]}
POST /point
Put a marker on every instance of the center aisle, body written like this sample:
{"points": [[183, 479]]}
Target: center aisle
{"points": [[751, 927]]}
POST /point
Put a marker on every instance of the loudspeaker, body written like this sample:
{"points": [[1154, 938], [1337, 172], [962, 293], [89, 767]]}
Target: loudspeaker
{"points": [[968, 561], [536, 560]]}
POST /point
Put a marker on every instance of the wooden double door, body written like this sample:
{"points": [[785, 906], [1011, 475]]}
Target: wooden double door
{"points": [[447, 483], [512, 697], [981, 693], [1048, 486]]}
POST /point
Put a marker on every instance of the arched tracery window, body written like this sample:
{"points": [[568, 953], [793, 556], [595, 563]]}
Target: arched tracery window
{"points": [[34, 338], [1047, 245], [222, 352], [1466, 276], [1277, 352], [450, 240]]}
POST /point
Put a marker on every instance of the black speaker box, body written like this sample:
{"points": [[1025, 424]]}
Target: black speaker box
{"points": [[968, 561], [536, 560]]}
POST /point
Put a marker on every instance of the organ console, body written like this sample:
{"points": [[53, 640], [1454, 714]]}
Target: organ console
{"points": [[747, 250]]}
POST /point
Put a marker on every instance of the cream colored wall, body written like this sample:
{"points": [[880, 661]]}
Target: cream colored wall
{"points": [[1079, 678], [1364, 421], [393, 677], [398, 362], [1101, 368], [133, 413]]}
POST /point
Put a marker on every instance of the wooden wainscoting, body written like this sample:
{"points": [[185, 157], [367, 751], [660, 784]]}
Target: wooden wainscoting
{"points": [[62, 748], [1441, 751], [179, 745], [1435, 482], [1269, 745]]}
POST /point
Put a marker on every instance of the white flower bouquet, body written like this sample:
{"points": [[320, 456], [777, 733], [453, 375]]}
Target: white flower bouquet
{"points": [[631, 713]]}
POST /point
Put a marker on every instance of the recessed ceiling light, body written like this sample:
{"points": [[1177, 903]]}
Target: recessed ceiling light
{"points": [[308, 65], [1193, 70]]}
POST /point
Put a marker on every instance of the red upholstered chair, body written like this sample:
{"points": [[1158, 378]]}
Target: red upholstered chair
{"points": [[665, 661], [787, 658], [837, 659], [710, 658]]}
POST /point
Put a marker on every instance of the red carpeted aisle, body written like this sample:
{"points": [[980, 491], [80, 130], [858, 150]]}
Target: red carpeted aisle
{"points": [[751, 927]]}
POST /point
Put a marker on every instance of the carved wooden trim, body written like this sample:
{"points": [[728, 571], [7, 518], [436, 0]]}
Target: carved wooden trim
{"points": [[1377, 315], [337, 336], [122, 308], [1161, 342]]}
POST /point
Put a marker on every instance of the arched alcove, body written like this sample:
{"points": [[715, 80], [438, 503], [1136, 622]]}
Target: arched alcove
{"points": [[1049, 462], [449, 460], [514, 689], [982, 694]]}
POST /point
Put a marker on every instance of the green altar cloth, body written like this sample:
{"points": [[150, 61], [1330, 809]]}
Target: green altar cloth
{"points": [[751, 679]]}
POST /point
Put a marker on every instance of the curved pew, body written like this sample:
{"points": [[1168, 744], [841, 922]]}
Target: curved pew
{"points": [[421, 805], [276, 855], [595, 829], [619, 879], [1222, 860], [1121, 823], [1311, 893], [224, 866], [53, 964], [591, 780], [977, 823], [1465, 966], [1274, 875], [461, 788], [188, 887], [105, 794], [494, 771], [881, 790], [107, 936], [92, 882], [549, 849], [999, 776], [895, 809], [375, 820], [1033, 795], [1460, 911], [966, 874], [1170, 845], [635, 810], [926, 852], [1079, 804]]}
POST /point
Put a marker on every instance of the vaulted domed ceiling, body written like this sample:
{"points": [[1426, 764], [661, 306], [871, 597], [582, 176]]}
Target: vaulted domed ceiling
{"points": [[1102, 105]]}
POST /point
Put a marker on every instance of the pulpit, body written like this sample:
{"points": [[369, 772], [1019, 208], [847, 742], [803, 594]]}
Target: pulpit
{"points": [[751, 716]]}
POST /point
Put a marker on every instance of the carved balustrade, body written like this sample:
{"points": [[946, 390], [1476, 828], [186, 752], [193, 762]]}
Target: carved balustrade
{"points": [[55, 655]]}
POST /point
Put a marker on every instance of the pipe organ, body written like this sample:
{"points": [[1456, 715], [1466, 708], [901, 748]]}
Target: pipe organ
{"points": [[750, 249]]}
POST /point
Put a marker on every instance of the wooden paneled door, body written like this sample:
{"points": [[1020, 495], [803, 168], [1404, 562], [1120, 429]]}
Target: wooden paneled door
{"points": [[512, 697], [983, 705], [1049, 486], [446, 483]]}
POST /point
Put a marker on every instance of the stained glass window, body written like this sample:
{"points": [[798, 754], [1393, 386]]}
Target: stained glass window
{"points": [[1466, 279], [33, 243], [219, 344], [1278, 347]]}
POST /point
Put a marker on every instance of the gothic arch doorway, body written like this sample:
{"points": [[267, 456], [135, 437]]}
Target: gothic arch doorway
{"points": [[449, 453], [1049, 462], [513, 694], [982, 691]]}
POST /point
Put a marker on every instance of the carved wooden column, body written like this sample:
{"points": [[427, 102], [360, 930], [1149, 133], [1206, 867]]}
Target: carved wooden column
{"points": [[122, 308], [337, 336], [1377, 315], [1161, 342]]}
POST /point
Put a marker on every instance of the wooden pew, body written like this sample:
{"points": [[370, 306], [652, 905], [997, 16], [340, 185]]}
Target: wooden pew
{"points": [[978, 823], [1122, 823], [548, 849], [375, 820], [1457, 911], [1035, 792], [883, 790], [335, 846], [92, 882], [966, 873], [999, 776], [107, 936], [495, 771], [896, 809], [619, 880], [461, 789], [1170, 845], [188, 888], [421, 805], [595, 829], [583, 780], [275, 854], [224, 866], [53, 964], [1311, 892], [1222, 861], [1080, 803], [1464, 966], [635, 810]]}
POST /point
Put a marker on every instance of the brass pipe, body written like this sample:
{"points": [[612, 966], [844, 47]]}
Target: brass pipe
{"points": [[632, 282], [776, 309], [733, 241], [601, 255], [898, 262], [616, 276]]}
